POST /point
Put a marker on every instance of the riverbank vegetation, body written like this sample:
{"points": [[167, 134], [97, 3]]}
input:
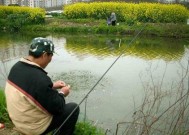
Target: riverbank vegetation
{"points": [[129, 12], [13, 18], [166, 20], [91, 26], [162, 111], [3, 111]]}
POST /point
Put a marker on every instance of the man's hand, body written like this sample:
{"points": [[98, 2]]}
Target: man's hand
{"points": [[65, 90], [59, 84]]}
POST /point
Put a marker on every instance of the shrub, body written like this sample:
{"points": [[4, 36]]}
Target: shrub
{"points": [[16, 21], [129, 12], [16, 17], [4, 117], [86, 128], [33, 12]]}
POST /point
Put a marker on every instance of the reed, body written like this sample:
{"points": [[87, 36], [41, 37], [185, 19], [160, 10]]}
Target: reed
{"points": [[162, 111]]}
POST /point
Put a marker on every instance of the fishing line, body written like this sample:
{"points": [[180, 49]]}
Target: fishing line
{"points": [[100, 78]]}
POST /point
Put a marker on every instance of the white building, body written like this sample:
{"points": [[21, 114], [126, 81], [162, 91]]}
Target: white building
{"points": [[1, 2], [37, 3], [7, 2]]}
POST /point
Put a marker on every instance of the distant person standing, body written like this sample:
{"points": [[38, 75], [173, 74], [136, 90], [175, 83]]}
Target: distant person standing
{"points": [[113, 18]]}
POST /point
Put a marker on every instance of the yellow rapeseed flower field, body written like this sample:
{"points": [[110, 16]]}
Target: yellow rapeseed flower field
{"points": [[142, 12], [33, 12]]}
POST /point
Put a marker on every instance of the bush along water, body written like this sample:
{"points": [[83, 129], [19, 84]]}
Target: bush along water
{"points": [[86, 128], [129, 12], [14, 18], [167, 20], [4, 117]]}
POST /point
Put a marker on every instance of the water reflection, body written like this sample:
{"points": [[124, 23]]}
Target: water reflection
{"points": [[146, 48], [86, 48], [101, 47]]}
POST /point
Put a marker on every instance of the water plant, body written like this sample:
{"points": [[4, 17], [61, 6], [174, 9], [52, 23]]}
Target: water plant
{"points": [[162, 111]]}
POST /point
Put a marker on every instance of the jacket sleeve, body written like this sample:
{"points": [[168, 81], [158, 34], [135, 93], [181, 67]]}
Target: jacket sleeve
{"points": [[49, 98]]}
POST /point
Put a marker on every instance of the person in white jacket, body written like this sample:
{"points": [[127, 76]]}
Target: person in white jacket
{"points": [[113, 18]]}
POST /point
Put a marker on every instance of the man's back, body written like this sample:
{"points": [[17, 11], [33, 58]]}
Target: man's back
{"points": [[21, 100], [34, 103]]}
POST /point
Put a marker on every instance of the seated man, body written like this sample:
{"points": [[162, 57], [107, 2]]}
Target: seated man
{"points": [[34, 104]]}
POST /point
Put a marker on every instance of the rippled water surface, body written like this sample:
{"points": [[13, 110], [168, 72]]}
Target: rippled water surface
{"points": [[82, 60]]}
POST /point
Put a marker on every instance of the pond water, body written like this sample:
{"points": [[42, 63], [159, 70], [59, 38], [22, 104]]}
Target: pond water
{"points": [[149, 63]]}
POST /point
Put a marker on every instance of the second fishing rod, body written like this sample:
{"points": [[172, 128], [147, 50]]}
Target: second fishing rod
{"points": [[121, 53]]}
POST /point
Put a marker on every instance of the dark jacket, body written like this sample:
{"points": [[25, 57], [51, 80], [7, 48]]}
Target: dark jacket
{"points": [[31, 100]]}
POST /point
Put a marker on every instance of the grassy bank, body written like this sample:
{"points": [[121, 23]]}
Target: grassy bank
{"points": [[92, 26], [3, 111], [162, 20]]}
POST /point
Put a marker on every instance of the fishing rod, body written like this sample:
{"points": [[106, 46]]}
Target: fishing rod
{"points": [[56, 131]]}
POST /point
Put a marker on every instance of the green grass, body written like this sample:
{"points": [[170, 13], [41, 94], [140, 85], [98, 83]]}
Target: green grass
{"points": [[86, 128], [4, 117], [61, 24], [91, 26]]}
